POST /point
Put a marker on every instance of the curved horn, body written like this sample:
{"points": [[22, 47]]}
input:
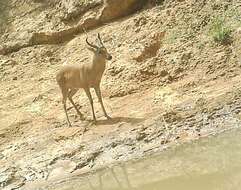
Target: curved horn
{"points": [[100, 40], [91, 45]]}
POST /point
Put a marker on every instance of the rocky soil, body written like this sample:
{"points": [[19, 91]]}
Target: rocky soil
{"points": [[169, 82]]}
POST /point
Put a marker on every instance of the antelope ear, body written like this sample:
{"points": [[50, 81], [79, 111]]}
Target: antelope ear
{"points": [[98, 50]]}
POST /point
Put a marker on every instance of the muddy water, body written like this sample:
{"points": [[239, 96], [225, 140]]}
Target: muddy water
{"points": [[212, 163]]}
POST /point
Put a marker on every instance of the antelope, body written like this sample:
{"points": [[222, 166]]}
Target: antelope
{"points": [[72, 77]]}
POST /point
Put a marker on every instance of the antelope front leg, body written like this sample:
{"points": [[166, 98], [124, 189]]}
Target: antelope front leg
{"points": [[87, 91], [98, 93]]}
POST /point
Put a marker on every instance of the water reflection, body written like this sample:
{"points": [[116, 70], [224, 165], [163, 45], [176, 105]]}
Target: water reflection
{"points": [[211, 164], [121, 183]]}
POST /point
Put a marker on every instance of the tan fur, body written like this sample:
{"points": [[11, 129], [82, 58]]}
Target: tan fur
{"points": [[70, 78]]}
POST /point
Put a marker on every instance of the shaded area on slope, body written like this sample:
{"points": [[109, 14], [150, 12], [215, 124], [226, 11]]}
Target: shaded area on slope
{"points": [[112, 10]]}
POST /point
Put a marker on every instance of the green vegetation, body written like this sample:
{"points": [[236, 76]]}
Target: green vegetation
{"points": [[172, 36], [220, 32]]}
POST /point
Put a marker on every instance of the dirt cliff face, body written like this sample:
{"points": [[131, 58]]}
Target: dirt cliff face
{"points": [[175, 76]]}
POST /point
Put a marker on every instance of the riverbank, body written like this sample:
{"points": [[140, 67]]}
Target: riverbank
{"points": [[170, 82]]}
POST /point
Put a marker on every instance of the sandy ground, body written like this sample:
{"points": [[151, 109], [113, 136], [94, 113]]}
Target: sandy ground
{"points": [[166, 85]]}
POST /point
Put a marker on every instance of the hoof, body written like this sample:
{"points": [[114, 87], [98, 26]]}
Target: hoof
{"points": [[82, 118], [108, 117]]}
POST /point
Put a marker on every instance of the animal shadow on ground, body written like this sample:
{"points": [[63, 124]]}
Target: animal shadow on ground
{"points": [[115, 120]]}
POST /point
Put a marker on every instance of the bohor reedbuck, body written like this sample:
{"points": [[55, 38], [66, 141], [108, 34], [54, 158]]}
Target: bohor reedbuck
{"points": [[72, 77]]}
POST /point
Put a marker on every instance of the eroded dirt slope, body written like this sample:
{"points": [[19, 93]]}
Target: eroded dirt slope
{"points": [[168, 83]]}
